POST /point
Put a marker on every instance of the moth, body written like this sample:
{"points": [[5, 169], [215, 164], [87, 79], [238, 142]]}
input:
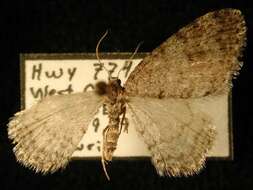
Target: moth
{"points": [[194, 65]]}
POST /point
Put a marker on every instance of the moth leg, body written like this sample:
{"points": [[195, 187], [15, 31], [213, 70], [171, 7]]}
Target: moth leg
{"points": [[122, 120], [104, 162], [105, 130], [104, 137]]}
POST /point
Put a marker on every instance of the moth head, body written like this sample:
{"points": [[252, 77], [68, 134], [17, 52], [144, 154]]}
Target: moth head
{"points": [[111, 89], [116, 82], [115, 85]]}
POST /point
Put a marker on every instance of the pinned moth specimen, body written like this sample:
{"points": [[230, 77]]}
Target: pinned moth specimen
{"points": [[195, 64]]}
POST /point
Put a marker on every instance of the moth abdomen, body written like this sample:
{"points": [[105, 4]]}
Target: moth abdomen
{"points": [[111, 140]]}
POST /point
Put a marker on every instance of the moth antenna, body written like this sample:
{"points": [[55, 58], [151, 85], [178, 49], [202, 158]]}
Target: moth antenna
{"points": [[97, 54], [136, 50], [132, 56], [103, 157], [104, 168]]}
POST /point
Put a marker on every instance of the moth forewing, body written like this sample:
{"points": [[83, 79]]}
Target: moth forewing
{"points": [[198, 60]]}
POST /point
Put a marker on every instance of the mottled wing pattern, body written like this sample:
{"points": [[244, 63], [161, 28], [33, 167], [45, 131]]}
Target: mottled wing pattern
{"points": [[176, 132], [47, 134], [200, 59]]}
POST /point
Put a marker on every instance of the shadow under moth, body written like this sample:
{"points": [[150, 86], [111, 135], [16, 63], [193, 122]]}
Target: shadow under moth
{"points": [[161, 95]]}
